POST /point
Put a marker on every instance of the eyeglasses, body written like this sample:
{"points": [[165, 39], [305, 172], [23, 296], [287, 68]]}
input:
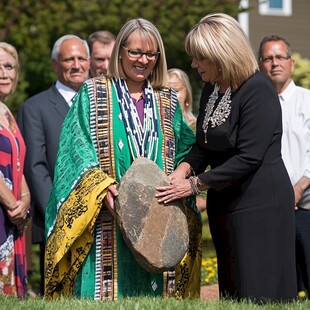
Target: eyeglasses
{"points": [[138, 54], [270, 59], [7, 67]]}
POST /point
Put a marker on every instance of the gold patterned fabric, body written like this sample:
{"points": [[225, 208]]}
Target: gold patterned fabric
{"points": [[188, 271], [73, 233]]}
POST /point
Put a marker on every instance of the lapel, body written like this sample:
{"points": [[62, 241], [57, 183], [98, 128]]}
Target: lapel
{"points": [[60, 104]]}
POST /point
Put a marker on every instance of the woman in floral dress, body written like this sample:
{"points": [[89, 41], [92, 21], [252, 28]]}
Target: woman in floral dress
{"points": [[14, 193]]}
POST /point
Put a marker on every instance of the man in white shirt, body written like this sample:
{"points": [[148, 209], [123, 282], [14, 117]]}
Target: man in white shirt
{"points": [[40, 119], [276, 62]]}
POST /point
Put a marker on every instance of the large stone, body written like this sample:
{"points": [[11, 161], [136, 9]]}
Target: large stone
{"points": [[156, 233]]}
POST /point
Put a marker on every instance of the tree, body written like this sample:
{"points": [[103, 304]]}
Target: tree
{"points": [[301, 73], [33, 27]]}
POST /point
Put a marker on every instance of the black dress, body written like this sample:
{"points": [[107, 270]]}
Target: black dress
{"points": [[250, 202]]}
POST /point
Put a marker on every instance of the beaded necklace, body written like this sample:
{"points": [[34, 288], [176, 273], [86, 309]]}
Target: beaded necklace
{"points": [[143, 140], [220, 114]]}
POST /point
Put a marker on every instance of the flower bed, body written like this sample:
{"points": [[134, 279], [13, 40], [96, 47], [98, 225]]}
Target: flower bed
{"points": [[209, 271]]}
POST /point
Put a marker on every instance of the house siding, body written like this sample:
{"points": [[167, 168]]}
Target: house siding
{"points": [[295, 28]]}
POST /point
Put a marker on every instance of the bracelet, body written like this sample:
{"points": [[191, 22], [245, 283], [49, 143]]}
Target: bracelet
{"points": [[194, 186], [190, 172], [24, 194], [199, 183]]}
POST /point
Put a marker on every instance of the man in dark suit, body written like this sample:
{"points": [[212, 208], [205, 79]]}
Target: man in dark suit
{"points": [[40, 119]]}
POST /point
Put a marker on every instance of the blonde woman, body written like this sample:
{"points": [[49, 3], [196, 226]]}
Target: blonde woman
{"points": [[14, 192], [250, 196], [114, 119]]}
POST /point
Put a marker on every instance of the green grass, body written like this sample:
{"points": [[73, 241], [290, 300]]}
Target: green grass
{"points": [[142, 303]]}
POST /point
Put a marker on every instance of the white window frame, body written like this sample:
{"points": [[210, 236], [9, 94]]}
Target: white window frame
{"points": [[286, 10]]}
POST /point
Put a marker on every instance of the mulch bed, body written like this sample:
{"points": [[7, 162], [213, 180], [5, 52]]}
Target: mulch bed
{"points": [[209, 292]]}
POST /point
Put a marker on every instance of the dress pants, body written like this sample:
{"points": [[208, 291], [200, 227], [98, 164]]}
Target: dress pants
{"points": [[303, 249]]}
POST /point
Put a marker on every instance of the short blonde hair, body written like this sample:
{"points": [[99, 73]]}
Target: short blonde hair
{"points": [[219, 39], [10, 49], [149, 33]]}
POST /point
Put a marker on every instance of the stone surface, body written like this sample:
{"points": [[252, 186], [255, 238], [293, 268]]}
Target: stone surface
{"points": [[156, 233]]}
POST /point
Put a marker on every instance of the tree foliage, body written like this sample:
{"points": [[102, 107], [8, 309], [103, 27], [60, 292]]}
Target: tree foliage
{"points": [[301, 73], [33, 27]]}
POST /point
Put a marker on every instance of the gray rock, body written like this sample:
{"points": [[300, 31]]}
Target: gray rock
{"points": [[156, 233]]}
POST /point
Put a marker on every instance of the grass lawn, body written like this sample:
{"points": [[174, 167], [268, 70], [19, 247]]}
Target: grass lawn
{"points": [[141, 303]]}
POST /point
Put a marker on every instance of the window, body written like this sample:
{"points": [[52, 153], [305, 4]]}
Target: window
{"points": [[275, 7]]}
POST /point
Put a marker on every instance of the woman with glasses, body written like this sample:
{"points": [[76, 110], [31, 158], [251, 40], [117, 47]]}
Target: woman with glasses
{"points": [[14, 192], [250, 197], [115, 119]]}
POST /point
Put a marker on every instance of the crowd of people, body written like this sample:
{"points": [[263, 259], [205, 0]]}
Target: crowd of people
{"points": [[115, 100]]}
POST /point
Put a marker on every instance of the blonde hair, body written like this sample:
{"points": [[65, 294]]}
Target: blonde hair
{"points": [[10, 49], [149, 33], [183, 77], [219, 39]]}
